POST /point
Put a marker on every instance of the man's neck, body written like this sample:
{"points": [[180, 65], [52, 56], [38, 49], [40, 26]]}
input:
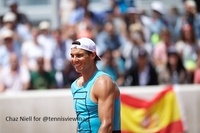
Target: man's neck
{"points": [[88, 74]]}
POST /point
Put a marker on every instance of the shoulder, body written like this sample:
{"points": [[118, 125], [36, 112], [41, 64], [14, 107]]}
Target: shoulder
{"points": [[103, 79], [104, 86]]}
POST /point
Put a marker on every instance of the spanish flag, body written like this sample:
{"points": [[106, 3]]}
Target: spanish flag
{"points": [[160, 115]]}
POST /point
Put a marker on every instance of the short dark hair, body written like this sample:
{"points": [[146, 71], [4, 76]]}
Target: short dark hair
{"points": [[76, 43]]}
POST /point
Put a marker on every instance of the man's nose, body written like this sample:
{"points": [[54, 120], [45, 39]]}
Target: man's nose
{"points": [[75, 58]]}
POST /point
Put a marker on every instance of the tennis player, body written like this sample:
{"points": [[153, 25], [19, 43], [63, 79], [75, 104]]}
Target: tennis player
{"points": [[96, 96]]}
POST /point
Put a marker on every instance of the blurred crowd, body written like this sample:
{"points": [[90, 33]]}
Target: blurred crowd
{"points": [[137, 47]]}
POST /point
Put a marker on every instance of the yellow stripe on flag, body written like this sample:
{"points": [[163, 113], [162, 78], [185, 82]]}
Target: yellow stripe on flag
{"points": [[151, 116]]}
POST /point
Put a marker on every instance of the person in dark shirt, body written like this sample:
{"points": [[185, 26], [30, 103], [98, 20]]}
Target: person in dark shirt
{"points": [[42, 79], [21, 17], [143, 73]]}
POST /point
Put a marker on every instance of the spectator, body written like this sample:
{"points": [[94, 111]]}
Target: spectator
{"points": [[143, 73], [69, 73], [65, 9], [109, 39], [157, 20], [60, 55], [16, 77], [60, 59], [77, 15], [187, 48], [45, 39], [42, 79], [112, 65], [160, 50], [191, 16], [172, 18], [136, 41], [81, 12], [69, 35], [174, 71], [118, 19], [31, 50], [174, 14], [138, 16], [90, 25], [133, 15], [21, 18], [9, 46]]}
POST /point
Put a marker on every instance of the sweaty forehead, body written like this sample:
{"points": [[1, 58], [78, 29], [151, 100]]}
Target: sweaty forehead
{"points": [[77, 51]]}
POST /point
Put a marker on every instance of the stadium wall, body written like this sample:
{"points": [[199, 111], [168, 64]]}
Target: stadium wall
{"points": [[52, 111]]}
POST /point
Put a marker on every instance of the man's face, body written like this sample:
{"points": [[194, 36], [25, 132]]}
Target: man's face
{"points": [[10, 25], [142, 60], [57, 36], [81, 59], [13, 8], [14, 61], [190, 9], [8, 41]]}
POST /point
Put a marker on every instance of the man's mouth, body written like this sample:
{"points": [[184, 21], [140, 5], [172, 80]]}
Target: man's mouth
{"points": [[77, 66]]}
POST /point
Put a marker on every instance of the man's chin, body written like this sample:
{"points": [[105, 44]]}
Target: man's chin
{"points": [[78, 71]]}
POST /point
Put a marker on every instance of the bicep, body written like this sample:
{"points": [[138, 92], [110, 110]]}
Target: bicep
{"points": [[106, 97], [106, 108]]}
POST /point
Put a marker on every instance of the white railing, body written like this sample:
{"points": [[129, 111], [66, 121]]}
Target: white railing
{"points": [[52, 111]]}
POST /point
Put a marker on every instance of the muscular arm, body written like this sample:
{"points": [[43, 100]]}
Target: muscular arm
{"points": [[105, 93]]}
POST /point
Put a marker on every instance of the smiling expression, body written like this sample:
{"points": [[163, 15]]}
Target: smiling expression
{"points": [[81, 59]]}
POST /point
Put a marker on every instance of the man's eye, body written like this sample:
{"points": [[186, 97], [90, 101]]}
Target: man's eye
{"points": [[79, 55]]}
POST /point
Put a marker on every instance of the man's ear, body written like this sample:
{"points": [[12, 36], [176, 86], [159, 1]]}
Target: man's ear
{"points": [[93, 55]]}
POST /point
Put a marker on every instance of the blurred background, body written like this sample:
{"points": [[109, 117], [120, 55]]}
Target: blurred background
{"points": [[141, 42]]}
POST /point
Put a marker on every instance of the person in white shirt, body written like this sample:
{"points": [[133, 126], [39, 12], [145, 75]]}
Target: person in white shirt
{"points": [[9, 45], [17, 76], [45, 39], [31, 50]]}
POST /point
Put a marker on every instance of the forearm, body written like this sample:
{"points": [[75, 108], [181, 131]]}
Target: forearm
{"points": [[106, 128]]}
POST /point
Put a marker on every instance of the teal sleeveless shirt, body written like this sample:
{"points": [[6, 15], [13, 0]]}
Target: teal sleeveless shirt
{"points": [[87, 110]]}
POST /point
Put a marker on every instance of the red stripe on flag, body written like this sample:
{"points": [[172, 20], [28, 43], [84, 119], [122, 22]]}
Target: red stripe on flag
{"points": [[139, 103], [174, 127]]}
